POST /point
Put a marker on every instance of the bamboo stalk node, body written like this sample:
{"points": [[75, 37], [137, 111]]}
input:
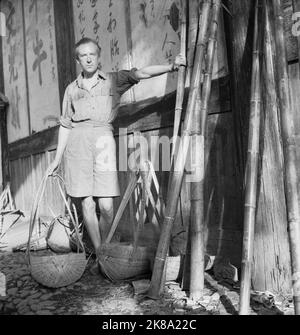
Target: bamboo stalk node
{"points": [[250, 206]]}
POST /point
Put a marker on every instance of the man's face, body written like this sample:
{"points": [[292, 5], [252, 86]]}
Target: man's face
{"points": [[88, 57]]}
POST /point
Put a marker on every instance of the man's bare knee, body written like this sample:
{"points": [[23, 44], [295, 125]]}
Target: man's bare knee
{"points": [[106, 206], [88, 204]]}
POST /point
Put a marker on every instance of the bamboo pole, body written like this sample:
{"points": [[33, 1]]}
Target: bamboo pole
{"points": [[211, 49], [177, 175], [194, 27], [289, 150], [180, 86], [181, 78], [251, 170], [130, 188], [194, 8], [197, 187]]}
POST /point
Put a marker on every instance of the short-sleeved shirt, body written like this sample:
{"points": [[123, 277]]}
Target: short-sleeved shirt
{"points": [[100, 104]]}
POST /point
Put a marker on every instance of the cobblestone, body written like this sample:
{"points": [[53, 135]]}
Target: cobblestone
{"points": [[94, 295]]}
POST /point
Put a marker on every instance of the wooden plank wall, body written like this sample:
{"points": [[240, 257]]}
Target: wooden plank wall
{"points": [[29, 157], [223, 203], [29, 160], [271, 263], [271, 266], [26, 175], [223, 232], [225, 154]]}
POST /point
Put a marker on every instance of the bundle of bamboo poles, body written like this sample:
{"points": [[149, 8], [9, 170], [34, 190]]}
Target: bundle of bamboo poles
{"points": [[180, 161], [289, 150], [251, 167]]}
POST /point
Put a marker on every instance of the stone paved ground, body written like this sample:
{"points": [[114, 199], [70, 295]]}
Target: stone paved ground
{"points": [[94, 295]]}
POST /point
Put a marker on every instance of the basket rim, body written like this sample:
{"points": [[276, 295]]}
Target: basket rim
{"points": [[32, 255]]}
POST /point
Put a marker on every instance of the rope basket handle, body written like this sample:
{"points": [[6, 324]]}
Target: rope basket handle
{"points": [[35, 211], [74, 220]]}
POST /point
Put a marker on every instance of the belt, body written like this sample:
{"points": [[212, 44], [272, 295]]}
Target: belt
{"points": [[92, 124]]}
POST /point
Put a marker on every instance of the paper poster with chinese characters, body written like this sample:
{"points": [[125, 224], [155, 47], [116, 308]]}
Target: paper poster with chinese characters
{"points": [[138, 33], [156, 29], [155, 40], [14, 71], [104, 21], [41, 64]]}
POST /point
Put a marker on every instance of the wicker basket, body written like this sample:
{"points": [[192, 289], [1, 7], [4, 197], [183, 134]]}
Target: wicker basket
{"points": [[55, 270], [121, 261]]}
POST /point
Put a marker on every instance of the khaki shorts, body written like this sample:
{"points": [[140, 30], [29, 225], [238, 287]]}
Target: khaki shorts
{"points": [[90, 163]]}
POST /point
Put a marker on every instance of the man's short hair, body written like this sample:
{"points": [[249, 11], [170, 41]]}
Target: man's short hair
{"points": [[86, 40]]}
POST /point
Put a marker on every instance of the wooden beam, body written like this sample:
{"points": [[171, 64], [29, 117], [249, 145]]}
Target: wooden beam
{"points": [[159, 112], [65, 41], [45, 140]]}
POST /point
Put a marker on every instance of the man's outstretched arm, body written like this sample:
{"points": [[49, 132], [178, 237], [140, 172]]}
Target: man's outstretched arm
{"points": [[157, 70]]}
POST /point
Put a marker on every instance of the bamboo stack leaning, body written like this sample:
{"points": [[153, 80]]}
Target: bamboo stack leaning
{"points": [[177, 175]]}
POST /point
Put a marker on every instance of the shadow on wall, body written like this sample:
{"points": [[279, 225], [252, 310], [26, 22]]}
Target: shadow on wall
{"points": [[223, 191]]}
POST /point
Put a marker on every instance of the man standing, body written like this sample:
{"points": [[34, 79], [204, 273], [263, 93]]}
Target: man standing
{"points": [[85, 135]]}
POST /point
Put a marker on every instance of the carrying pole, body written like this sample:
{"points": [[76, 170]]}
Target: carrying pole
{"points": [[177, 174], [289, 151], [251, 170]]}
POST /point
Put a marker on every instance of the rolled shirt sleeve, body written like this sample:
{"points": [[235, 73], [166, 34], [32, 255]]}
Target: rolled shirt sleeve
{"points": [[125, 80], [67, 110]]}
